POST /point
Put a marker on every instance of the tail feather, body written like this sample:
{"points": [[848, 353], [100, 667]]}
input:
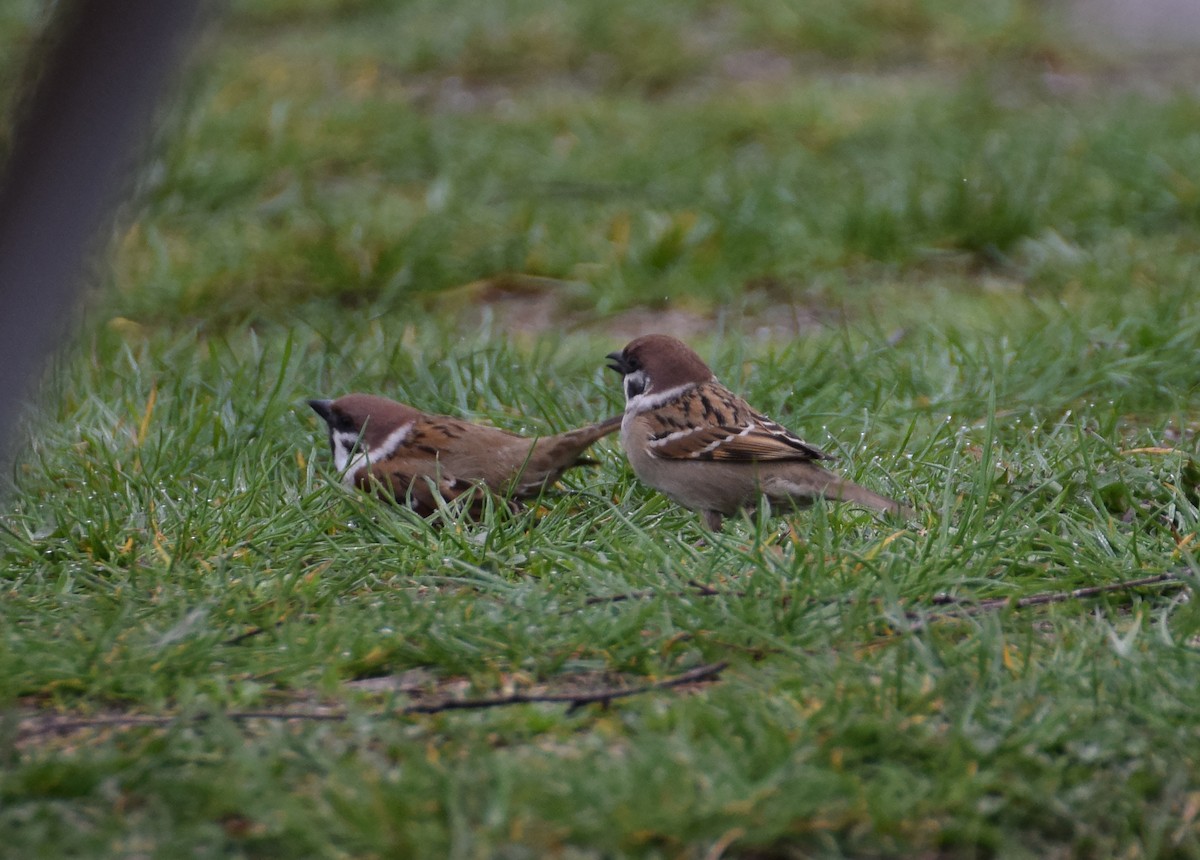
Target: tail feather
{"points": [[801, 487], [848, 491], [578, 441], [595, 431], [553, 455]]}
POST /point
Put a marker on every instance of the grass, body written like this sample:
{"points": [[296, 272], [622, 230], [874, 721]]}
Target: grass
{"points": [[1003, 329]]}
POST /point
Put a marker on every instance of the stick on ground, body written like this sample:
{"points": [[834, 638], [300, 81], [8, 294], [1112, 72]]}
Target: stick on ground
{"points": [[34, 727]]}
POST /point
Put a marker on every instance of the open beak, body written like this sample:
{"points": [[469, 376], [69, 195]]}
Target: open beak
{"points": [[618, 363]]}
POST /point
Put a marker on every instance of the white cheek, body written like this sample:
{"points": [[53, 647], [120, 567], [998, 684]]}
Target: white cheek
{"points": [[343, 445], [635, 384], [348, 458]]}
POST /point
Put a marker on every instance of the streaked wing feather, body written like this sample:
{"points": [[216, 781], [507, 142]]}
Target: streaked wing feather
{"points": [[711, 423], [759, 441]]}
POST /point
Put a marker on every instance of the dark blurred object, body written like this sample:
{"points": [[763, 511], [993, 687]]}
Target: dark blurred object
{"points": [[95, 85]]}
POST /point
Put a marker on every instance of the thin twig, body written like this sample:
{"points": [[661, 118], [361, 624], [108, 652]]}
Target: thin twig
{"points": [[575, 700], [701, 590], [1046, 597], [53, 726], [708, 672], [598, 599], [258, 631], [247, 635], [708, 591], [966, 608]]}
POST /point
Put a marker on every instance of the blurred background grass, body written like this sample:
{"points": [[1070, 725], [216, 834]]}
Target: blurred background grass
{"points": [[576, 160]]}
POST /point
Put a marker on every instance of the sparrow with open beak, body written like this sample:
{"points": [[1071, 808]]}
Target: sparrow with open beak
{"points": [[415, 457], [695, 441]]}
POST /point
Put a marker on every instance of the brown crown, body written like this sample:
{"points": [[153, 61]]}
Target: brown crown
{"points": [[667, 362], [378, 415]]}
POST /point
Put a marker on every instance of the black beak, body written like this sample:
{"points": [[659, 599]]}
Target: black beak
{"points": [[619, 363], [323, 408]]}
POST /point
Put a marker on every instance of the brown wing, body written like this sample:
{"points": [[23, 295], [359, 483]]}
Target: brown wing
{"points": [[755, 439], [415, 488]]}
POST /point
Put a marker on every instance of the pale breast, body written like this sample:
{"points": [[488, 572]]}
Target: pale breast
{"points": [[695, 484]]}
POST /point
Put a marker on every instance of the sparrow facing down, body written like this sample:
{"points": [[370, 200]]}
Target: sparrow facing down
{"points": [[413, 454], [694, 440]]}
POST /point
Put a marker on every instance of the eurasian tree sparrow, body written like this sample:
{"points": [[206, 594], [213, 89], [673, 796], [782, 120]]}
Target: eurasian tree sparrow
{"points": [[694, 440], [377, 441]]}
